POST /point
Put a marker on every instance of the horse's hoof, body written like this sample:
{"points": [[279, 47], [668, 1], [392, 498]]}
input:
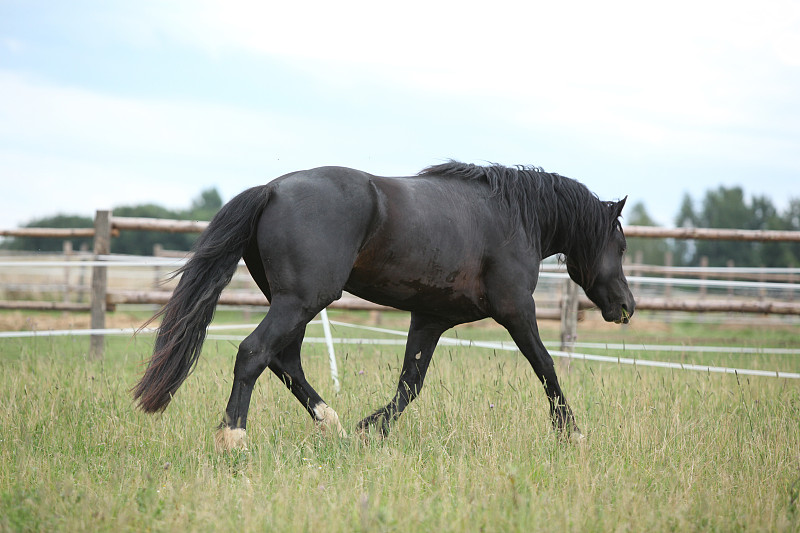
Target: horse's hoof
{"points": [[576, 437], [328, 421], [374, 427], [228, 439], [367, 433], [362, 432]]}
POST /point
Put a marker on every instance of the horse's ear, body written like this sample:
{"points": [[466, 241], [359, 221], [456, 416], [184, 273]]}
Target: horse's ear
{"points": [[616, 207]]}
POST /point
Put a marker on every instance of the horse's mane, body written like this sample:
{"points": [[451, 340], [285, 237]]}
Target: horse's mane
{"points": [[546, 206]]}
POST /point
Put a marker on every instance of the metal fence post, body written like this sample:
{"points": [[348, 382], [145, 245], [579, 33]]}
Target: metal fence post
{"points": [[102, 246]]}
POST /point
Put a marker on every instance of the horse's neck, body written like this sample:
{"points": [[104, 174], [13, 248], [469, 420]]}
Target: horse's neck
{"points": [[562, 230]]}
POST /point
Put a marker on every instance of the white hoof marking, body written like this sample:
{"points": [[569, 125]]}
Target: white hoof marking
{"points": [[577, 437], [228, 439], [328, 420]]}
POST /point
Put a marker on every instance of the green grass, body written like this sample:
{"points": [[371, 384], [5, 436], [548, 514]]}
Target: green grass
{"points": [[666, 450]]}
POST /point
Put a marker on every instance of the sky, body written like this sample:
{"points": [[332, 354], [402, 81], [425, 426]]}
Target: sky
{"points": [[110, 103]]}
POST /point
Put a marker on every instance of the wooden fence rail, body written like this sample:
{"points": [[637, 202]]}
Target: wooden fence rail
{"points": [[712, 234], [196, 226], [107, 226], [58, 233], [158, 224]]}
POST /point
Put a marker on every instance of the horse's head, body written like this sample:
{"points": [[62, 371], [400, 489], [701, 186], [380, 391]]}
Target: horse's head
{"points": [[604, 281]]}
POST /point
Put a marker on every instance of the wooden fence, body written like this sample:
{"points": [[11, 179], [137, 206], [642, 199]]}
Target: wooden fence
{"points": [[107, 226]]}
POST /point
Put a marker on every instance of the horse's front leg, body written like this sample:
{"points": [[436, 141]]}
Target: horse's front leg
{"points": [[423, 335], [521, 324]]}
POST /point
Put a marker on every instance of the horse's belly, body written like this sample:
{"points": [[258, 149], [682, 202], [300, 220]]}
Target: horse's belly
{"points": [[456, 294]]}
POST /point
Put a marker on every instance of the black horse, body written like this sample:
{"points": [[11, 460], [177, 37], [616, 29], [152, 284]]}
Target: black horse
{"points": [[454, 244]]}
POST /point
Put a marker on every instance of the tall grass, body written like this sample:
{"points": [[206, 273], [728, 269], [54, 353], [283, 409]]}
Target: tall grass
{"points": [[666, 450]]}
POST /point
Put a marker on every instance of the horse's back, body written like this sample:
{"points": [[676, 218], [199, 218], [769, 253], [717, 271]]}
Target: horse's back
{"points": [[317, 198], [358, 205]]}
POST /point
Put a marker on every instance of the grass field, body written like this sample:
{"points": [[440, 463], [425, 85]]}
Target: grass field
{"points": [[666, 450]]}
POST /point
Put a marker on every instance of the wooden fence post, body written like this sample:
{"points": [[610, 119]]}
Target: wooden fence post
{"points": [[569, 315], [730, 263], [703, 275], [102, 246], [158, 251], [82, 276], [669, 259], [67, 250], [638, 259]]}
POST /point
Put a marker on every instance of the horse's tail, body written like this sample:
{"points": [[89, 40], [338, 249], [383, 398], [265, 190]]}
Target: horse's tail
{"points": [[191, 307]]}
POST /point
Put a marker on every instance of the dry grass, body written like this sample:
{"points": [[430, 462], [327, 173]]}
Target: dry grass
{"points": [[26, 321], [665, 451]]}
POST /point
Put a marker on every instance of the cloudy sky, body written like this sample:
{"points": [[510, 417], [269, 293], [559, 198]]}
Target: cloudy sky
{"points": [[106, 103]]}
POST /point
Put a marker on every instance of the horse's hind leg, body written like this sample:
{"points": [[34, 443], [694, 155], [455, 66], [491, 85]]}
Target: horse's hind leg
{"points": [[288, 368], [284, 323], [423, 335]]}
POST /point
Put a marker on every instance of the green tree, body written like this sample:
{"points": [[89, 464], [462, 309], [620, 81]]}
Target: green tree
{"points": [[727, 208], [766, 217], [683, 250], [203, 207], [47, 244], [652, 251], [786, 254], [142, 242]]}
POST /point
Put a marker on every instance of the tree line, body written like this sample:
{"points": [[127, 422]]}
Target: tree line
{"points": [[207, 203], [723, 207]]}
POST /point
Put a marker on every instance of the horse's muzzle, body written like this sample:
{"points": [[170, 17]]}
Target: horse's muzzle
{"points": [[625, 314]]}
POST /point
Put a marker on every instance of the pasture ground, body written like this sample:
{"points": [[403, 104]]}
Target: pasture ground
{"points": [[666, 450]]}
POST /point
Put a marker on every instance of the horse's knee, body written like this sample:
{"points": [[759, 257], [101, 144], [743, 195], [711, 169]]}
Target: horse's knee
{"points": [[250, 345]]}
